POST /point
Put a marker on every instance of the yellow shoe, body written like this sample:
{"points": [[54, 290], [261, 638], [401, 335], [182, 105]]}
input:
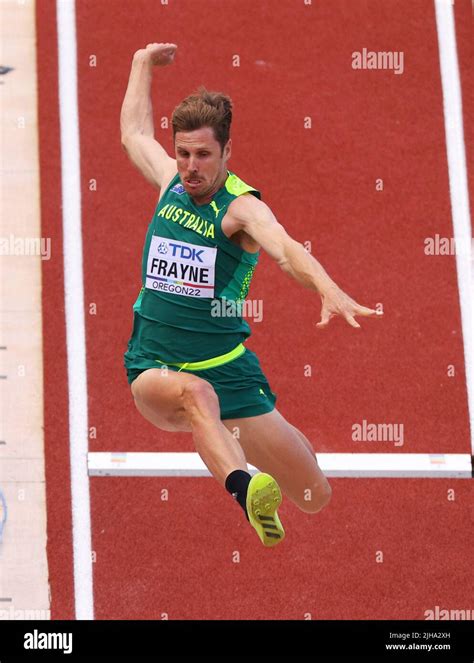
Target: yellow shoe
{"points": [[263, 500]]}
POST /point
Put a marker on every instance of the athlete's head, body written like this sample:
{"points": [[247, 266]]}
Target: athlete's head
{"points": [[201, 128]]}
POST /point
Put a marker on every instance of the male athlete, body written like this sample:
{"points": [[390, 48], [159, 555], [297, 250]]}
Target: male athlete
{"points": [[188, 368]]}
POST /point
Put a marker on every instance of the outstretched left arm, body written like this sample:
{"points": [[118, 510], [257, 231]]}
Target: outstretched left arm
{"points": [[256, 219]]}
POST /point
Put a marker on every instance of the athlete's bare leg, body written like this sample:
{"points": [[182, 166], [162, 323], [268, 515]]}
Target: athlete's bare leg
{"points": [[275, 446], [175, 402]]}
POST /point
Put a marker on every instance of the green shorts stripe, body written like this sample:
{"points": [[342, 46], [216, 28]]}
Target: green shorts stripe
{"points": [[207, 363]]}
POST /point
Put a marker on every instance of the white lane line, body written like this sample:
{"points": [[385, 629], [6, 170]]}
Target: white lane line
{"points": [[453, 123], [74, 304], [350, 465]]}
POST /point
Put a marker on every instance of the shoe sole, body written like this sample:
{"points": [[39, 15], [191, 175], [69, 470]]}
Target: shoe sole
{"points": [[263, 499]]}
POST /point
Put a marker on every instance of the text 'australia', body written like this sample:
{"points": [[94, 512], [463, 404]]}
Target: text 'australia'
{"points": [[187, 220]]}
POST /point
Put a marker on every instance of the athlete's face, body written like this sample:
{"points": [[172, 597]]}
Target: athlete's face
{"points": [[202, 165]]}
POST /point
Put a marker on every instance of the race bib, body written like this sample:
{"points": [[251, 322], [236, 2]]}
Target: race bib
{"points": [[180, 268]]}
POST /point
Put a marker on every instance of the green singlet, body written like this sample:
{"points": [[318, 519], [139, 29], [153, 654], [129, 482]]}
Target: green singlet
{"points": [[191, 271]]}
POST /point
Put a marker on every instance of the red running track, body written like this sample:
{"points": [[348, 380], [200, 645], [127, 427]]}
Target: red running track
{"points": [[320, 182]]}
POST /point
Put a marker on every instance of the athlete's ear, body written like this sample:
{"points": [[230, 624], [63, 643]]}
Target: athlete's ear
{"points": [[228, 149]]}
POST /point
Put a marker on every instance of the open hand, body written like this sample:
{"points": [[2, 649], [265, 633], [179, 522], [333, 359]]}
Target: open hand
{"points": [[336, 302]]}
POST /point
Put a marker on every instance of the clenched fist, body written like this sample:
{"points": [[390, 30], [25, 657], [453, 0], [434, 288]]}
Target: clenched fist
{"points": [[158, 55]]}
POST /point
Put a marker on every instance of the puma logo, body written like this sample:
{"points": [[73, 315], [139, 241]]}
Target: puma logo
{"points": [[215, 208]]}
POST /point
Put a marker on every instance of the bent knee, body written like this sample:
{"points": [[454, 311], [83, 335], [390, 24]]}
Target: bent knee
{"points": [[199, 398], [316, 498]]}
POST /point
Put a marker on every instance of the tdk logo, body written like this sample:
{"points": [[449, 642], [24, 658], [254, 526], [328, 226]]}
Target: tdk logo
{"points": [[178, 188], [162, 247], [185, 252]]}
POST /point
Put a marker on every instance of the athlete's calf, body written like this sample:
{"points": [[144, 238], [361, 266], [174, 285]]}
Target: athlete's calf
{"points": [[217, 447]]}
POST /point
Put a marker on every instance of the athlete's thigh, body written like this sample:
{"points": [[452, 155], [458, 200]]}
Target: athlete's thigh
{"points": [[275, 446], [158, 397]]}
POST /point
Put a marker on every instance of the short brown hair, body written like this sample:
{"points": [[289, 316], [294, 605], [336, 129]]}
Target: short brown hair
{"points": [[204, 109]]}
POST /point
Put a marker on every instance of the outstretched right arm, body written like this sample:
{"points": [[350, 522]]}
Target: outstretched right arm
{"points": [[136, 118]]}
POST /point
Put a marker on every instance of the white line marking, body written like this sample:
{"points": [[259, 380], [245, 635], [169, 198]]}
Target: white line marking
{"points": [[74, 303], [453, 122], [333, 465]]}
